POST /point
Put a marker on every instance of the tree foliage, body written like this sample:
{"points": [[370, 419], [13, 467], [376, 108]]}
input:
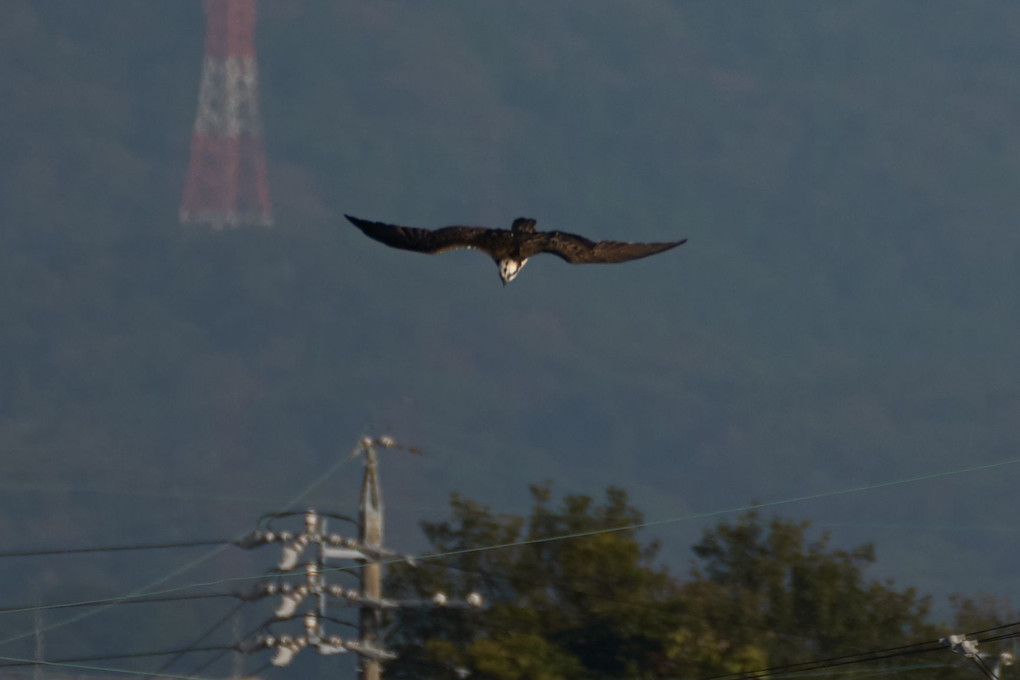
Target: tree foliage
{"points": [[572, 592]]}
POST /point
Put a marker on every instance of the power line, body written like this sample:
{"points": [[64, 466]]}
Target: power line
{"points": [[60, 487], [717, 513], [785, 670], [606, 598], [219, 656], [819, 664], [201, 638], [865, 657], [109, 657], [115, 600], [992, 629], [148, 589], [105, 669], [139, 595], [869, 672], [112, 548]]}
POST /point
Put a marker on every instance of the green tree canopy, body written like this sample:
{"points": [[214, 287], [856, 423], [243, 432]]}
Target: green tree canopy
{"points": [[574, 593]]}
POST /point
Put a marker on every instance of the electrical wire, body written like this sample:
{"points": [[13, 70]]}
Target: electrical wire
{"points": [[717, 513], [60, 487], [818, 664], [109, 657], [100, 602], [202, 638], [1000, 638], [868, 672], [983, 667], [258, 671], [801, 669], [992, 629], [870, 656], [262, 626], [113, 548], [792, 668], [267, 519], [148, 588], [605, 598], [845, 659], [103, 669], [206, 664]]}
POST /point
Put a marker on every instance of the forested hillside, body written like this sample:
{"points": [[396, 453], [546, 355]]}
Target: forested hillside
{"points": [[844, 314]]}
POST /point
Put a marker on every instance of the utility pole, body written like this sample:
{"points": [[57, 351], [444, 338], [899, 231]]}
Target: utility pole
{"points": [[367, 549], [371, 536]]}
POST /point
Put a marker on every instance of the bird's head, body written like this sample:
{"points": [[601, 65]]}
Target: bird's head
{"points": [[523, 225], [509, 268]]}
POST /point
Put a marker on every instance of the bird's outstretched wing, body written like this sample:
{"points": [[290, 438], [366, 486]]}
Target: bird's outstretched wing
{"points": [[579, 250], [422, 240]]}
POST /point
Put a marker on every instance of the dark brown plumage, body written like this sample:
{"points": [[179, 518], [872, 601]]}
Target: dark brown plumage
{"points": [[510, 248]]}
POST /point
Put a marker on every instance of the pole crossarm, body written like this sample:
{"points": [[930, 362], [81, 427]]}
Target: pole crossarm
{"points": [[287, 646], [367, 598], [333, 545]]}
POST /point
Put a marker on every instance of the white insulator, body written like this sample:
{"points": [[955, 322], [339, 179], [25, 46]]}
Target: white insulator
{"points": [[474, 599], [283, 656], [440, 599], [289, 559], [288, 605], [334, 645], [386, 441], [1006, 659]]}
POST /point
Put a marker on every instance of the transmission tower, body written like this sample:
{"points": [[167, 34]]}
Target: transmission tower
{"points": [[226, 184]]}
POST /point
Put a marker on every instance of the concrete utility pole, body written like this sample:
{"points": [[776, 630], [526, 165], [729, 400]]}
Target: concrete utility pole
{"points": [[371, 536], [369, 600]]}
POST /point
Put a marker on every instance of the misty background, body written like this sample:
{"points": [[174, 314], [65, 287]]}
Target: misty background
{"points": [[844, 315]]}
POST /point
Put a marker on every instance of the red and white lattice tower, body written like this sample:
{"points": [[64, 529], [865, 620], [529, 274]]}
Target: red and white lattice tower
{"points": [[226, 185]]}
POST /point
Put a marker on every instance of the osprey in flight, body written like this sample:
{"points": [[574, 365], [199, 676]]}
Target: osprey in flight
{"points": [[509, 248]]}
